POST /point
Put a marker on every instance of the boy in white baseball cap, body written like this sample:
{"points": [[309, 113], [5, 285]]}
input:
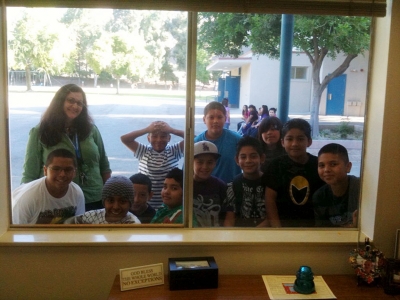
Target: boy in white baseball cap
{"points": [[209, 192]]}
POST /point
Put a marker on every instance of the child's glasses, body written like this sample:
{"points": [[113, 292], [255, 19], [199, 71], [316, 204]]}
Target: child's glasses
{"points": [[58, 170]]}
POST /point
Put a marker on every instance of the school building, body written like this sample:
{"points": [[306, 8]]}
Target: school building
{"points": [[254, 79]]}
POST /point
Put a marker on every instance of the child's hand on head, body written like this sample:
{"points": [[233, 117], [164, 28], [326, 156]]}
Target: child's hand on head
{"points": [[155, 126], [164, 127]]}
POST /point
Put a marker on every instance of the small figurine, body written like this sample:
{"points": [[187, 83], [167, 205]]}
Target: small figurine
{"points": [[304, 283], [368, 264]]}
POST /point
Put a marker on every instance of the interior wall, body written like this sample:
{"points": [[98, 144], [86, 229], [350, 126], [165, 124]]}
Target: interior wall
{"points": [[88, 272], [388, 194], [374, 161]]}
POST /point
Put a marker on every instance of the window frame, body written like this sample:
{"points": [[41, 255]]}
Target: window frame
{"points": [[20, 235], [294, 70]]}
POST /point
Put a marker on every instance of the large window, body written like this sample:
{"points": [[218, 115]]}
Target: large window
{"points": [[151, 81]]}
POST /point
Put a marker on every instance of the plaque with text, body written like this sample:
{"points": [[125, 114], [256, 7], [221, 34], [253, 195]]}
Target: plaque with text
{"points": [[140, 277]]}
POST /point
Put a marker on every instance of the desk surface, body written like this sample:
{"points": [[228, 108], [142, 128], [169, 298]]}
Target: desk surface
{"points": [[231, 287]]}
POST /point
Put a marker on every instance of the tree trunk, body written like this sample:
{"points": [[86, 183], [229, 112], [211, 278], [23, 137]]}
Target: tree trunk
{"points": [[28, 78], [117, 86], [319, 87], [316, 96], [314, 113], [49, 78]]}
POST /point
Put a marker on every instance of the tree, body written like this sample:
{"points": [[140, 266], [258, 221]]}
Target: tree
{"points": [[202, 61], [318, 36], [99, 56], [31, 44], [85, 29], [120, 62], [177, 27], [166, 71]]}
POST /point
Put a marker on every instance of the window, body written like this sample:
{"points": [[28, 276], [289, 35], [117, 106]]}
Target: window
{"points": [[103, 53], [299, 73]]}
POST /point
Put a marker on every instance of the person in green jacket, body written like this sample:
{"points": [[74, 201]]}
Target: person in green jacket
{"points": [[66, 124]]}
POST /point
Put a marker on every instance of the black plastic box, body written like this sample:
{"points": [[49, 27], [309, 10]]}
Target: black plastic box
{"points": [[188, 273]]}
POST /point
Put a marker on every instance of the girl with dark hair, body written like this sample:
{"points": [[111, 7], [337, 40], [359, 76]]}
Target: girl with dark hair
{"points": [[250, 127], [66, 124], [245, 115], [269, 134], [263, 112]]}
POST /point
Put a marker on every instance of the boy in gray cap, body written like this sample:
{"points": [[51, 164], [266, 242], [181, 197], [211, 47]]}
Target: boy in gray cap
{"points": [[117, 197]]}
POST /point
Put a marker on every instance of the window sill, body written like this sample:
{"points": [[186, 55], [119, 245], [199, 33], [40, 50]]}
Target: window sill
{"points": [[173, 236]]}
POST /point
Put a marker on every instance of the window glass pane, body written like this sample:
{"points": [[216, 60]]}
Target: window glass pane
{"points": [[244, 48], [299, 73], [132, 67]]}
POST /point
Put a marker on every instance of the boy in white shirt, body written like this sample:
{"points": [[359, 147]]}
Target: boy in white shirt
{"points": [[52, 198]]}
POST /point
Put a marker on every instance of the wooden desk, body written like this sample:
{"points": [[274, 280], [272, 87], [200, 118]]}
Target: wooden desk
{"points": [[243, 287]]}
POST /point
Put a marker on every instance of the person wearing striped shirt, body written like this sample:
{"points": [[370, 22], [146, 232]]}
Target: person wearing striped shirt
{"points": [[157, 158]]}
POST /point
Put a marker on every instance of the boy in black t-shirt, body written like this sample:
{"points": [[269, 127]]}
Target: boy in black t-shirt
{"points": [[292, 179], [246, 192], [209, 192]]}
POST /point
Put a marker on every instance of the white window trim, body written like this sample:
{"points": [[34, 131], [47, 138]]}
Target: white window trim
{"points": [[301, 79]]}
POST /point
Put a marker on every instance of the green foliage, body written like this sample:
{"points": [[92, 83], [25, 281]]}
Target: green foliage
{"points": [[166, 72], [177, 27], [227, 33], [265, 35], [125, 43], [84, 31], [325, 133], [32, 44], [344, 129], [224, 34], [349, 35], [202, 61]]}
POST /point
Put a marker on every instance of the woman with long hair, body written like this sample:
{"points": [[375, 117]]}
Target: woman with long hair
{"points": [[66, 124], [269, 134]]}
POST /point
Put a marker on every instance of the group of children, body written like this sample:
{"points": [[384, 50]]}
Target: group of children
{"points": [[125, 201], [244, 181], [237, 181]]}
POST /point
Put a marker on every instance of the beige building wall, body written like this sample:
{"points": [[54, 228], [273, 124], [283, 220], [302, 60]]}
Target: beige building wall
{"points": [[87, 270], [260, 84]]}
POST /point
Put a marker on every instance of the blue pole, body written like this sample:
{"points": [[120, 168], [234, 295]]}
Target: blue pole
{"points": [[285, 66]]}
